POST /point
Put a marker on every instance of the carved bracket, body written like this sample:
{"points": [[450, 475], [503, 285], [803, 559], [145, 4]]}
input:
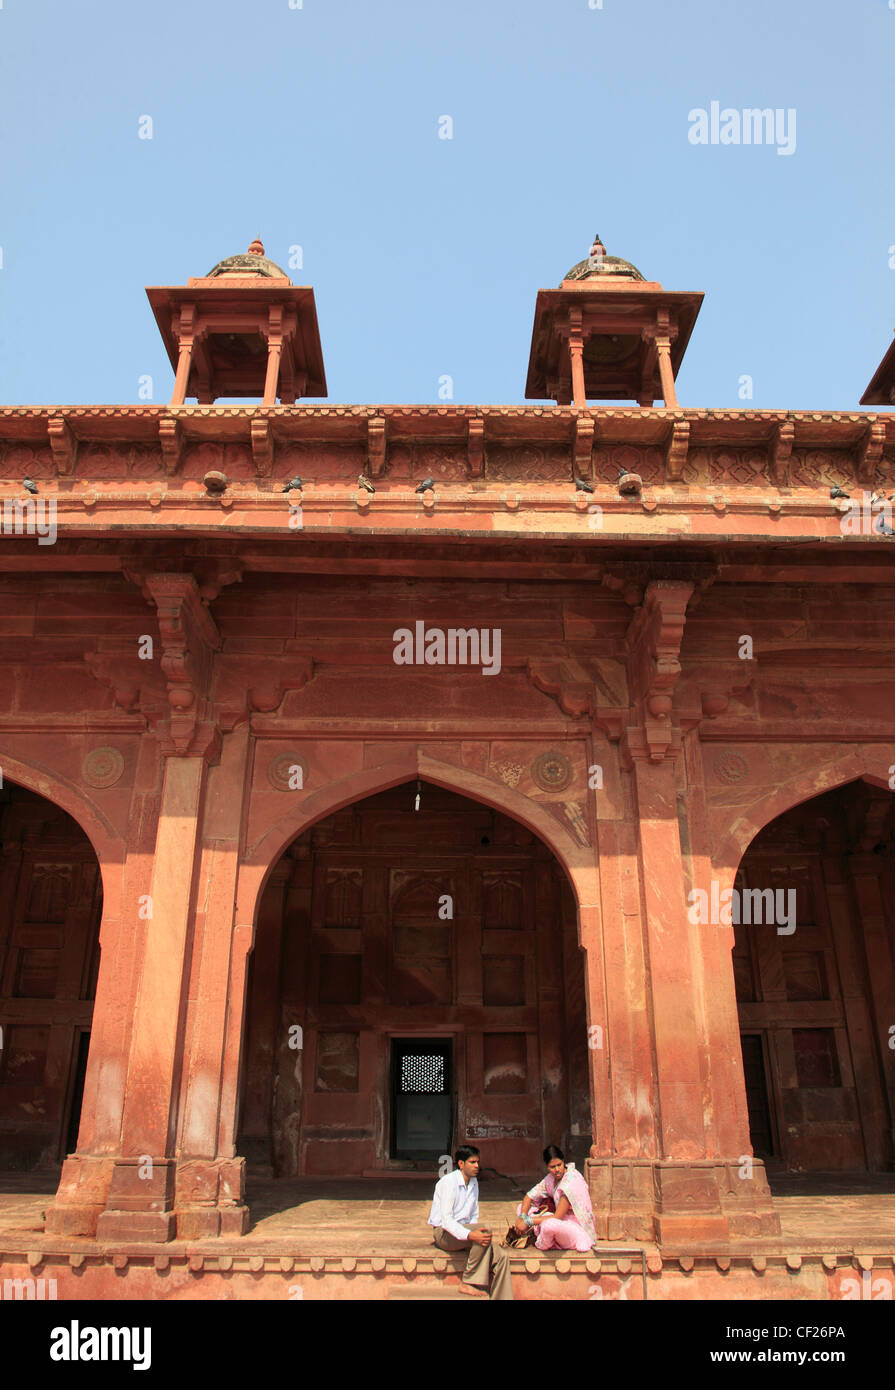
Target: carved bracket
{"points": [[653, 645], [676, 451], [170, 436], [780, 452], [63, 444], [376, 442], [870, 451], [189, 638], [475, 448], [211, 580], [566, 683], [583, 447], [118, 670], [262, 447], [234, 703]]}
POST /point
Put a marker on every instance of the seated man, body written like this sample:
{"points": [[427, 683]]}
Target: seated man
{"points": [[455, 1214]]}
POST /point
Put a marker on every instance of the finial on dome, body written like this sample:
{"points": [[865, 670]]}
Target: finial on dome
{"points": [[600, 266], [257, 247]]}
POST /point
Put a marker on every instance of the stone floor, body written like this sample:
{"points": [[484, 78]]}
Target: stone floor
{"points": [[819, 1212]]}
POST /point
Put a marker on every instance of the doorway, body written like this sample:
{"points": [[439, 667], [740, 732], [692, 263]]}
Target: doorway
{"points": [[757, 1100], [77, 1094], [422, 1097]]}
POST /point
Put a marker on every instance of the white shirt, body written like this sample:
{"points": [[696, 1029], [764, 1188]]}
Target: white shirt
{"points": [[455, 1200]]}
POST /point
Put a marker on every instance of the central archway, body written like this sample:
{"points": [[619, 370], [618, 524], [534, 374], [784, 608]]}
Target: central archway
{"points": [[416, 981]]}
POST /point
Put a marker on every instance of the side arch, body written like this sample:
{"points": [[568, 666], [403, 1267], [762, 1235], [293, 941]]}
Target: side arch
{"points": [[865, 762], [108, 846]]}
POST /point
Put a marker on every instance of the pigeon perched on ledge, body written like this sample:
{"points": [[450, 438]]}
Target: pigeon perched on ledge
{"points": [[837, 491], [365, 483], [427, 485], [293, 484], [581, 485], [29, 485]]}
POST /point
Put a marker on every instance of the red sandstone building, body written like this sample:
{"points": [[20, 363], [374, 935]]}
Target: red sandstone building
{"points": [[287, 893]]}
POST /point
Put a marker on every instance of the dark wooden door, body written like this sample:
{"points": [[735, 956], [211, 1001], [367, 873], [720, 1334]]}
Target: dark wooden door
{"points": [[760, 1130]]}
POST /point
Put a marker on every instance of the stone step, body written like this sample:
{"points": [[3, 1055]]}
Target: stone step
{"points": [[430, 1293]]}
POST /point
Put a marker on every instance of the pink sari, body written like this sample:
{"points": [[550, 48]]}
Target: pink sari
{"points": [[575, 1231]]}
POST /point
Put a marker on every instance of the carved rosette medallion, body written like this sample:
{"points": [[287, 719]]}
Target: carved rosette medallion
{"points": [[282, 770], [730, 767], [102, 767], [552, 771]]}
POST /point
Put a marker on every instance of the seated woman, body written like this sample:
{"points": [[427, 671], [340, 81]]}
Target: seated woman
{"points": [[564, 1216]]}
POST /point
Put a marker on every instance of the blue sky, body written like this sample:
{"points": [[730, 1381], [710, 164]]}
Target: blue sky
{"points": [[318, 127]]}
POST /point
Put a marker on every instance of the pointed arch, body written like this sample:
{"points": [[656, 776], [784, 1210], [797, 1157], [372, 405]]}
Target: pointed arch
{"points": [[863, 762], [108, 845], [260, 858]]}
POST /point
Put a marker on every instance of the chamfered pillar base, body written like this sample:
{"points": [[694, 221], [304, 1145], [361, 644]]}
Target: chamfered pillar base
{"points": [[681, 1203], [210, 1198], [81, 1196], [148, 1199]]}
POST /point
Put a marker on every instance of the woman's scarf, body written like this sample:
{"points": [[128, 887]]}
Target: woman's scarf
{"points": [[573, 1187]]}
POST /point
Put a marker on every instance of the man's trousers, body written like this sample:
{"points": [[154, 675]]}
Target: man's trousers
{"points": [[487, 1266]]}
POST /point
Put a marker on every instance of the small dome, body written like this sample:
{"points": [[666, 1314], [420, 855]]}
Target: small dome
{"points": [[598, 266], [251, 262]]}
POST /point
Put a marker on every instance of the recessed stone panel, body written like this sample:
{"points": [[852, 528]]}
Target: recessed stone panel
{"points": [[340, 977], [337, 1061], [504, 1064], [503, 980]]}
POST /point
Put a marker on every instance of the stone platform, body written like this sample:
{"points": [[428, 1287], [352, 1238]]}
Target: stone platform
{"points": [[367, 1239]]}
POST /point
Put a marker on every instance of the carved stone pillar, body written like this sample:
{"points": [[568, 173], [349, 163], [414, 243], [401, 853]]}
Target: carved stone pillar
{"points": [[576, 353], [672, 1183]]}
